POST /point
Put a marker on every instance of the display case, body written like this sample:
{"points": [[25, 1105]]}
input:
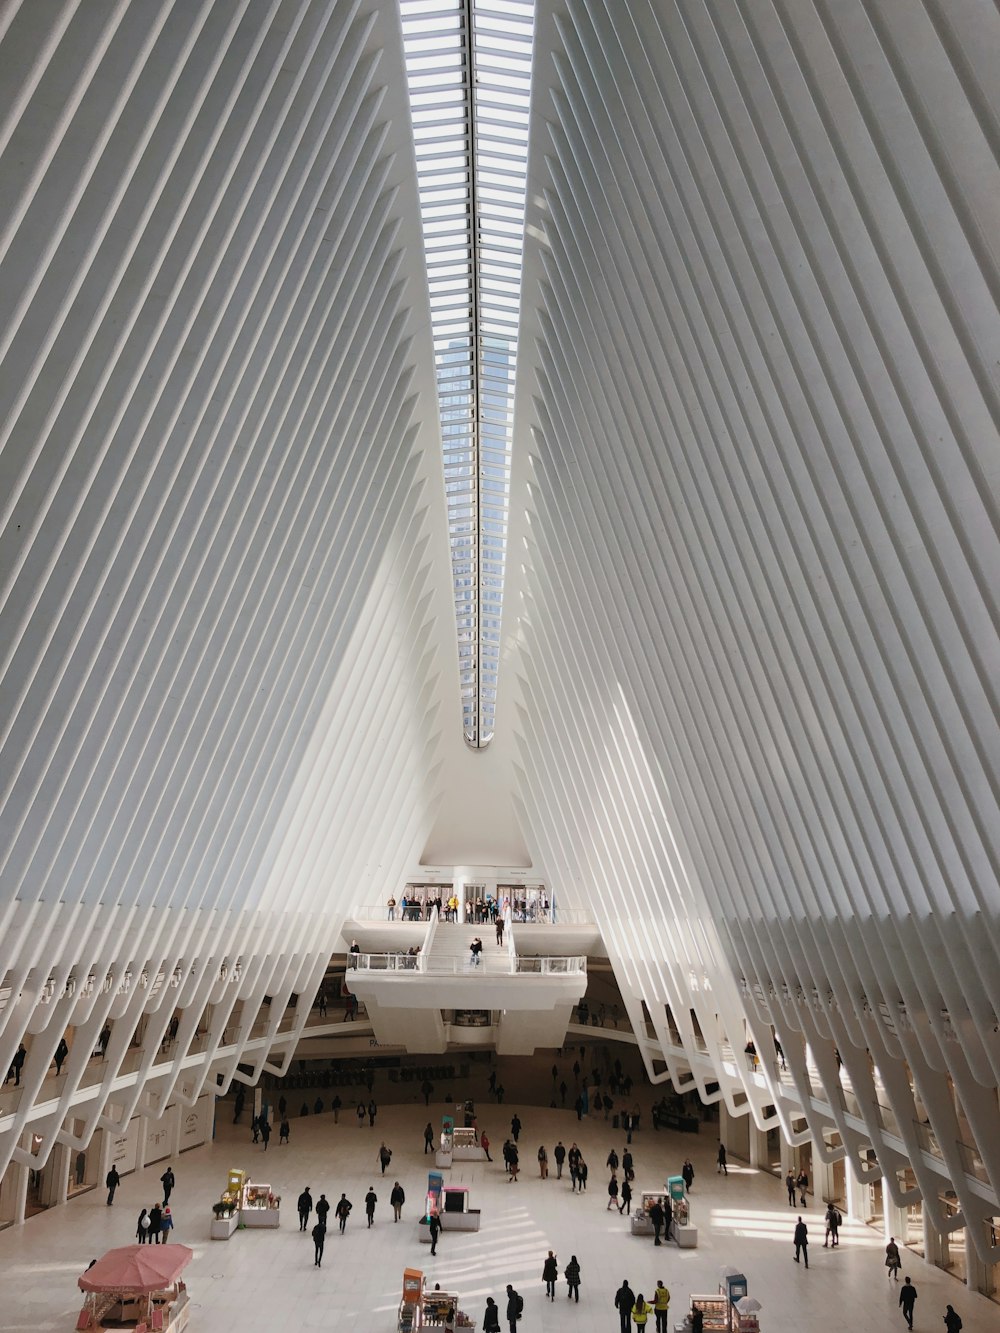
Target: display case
{"points": [[260, 1206], [641, 1224], [465, 1145], [683, 1230], [715, 1312], [436, 1306]]}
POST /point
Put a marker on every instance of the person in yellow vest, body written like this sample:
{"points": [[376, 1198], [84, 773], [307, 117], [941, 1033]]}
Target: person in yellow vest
{"points": [[640, 1311], [661, 1306]]}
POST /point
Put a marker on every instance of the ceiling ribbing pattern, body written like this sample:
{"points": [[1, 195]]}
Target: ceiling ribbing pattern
{"points": [[759, 645], [225, 625]]}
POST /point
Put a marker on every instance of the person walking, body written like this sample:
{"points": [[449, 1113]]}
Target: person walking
{"points": [[626, 1204], [384, 1156], [397, 1198], [491, 1316], [515, 1304], [484, 1143], [790, 1187], [371, 1199], [612, 1193], [514, 1162], [319, 1240], [722, 1166], [833, 1221], [499, 930], [342, 1212], [372, 1113], [166, 1225], [428, 1137], [168, 1182], [624, 1303], [284, 1129], [17, 1064], [112, 1180], [305, 1206], [802, 1184], [142, 1227], [661, 1306], [952, 1320], [335, 1106], [612, 1162], [892, 1259], [572, 1275], [265, 1133], [582, 1171], [687, 1171], [559, 1153], [515, 1127], [434, 1227], [550, 1272], [543, 1163], [657, 1216], [907, 1300], [62, 1050], [802, 1241], [155, 1224], [640, 1311], [360, 1114]]}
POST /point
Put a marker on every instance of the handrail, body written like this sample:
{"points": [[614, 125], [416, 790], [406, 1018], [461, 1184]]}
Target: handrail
{"points": [[554, 915], [557, 965], [511, 950], [429, 934]]}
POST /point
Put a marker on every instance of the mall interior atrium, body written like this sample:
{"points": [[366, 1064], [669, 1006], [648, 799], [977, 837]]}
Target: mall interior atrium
{"points": [[541, 453]]}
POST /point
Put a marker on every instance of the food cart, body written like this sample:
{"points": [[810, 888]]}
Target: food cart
{"points": [[137, 1286]]}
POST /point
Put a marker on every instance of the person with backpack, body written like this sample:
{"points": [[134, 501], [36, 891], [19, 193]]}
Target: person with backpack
{"points": [[550, 1272], [833, 1221], [952, 1320], [624, 1303], [342, 1212], [572, 1276], [142, 1227], [384, 1156], [515, 1307]]}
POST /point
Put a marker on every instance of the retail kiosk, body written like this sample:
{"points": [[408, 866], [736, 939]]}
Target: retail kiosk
{"points": [[226, 1213], [420, 1308], [683, 1230], [260, 1206]]}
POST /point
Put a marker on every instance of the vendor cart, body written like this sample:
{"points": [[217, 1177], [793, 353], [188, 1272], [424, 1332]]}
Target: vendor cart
{"points": [[137, 1286]]}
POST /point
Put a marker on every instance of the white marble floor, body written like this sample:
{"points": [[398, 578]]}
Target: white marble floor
{"points": [[265, 1280]]}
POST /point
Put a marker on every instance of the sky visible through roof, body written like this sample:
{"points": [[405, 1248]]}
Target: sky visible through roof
{"points": [[468, 65]]}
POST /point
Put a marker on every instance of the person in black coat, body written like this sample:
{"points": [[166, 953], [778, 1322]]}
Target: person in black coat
{"points": [[550, 1272], [397, 1198], [371, 1199], [626, 1204], [434, 1226], [624, 1301], [491, 1316], [155, 1224], [514, 1305], [319, 1240], [112, 1180], [342, 1211], [687, 1172], [305, 1206], [168, 1182], [802, 1241], [322, 1210], [142, 1227]]}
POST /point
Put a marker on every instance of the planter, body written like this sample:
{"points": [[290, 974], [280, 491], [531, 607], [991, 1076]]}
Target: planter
{"points": [[223, 1227]]}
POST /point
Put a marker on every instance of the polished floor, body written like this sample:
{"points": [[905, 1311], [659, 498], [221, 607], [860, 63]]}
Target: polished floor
{"points": [[265, 1280]]}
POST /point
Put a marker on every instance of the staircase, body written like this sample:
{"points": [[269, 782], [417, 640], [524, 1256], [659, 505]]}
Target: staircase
{"points": [[451, 951]]}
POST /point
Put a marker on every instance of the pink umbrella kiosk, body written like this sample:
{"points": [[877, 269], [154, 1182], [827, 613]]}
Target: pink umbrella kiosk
{"points": [[137, 1285]]}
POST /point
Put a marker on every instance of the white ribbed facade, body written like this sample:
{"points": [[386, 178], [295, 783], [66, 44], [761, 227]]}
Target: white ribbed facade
{"points": [[747, 708]]}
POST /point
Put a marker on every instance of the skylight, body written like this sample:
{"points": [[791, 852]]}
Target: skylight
{"points": [[468, 65]]}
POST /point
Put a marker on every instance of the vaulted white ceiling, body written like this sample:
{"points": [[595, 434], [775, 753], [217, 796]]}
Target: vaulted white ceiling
{"points": [[747, 671]]}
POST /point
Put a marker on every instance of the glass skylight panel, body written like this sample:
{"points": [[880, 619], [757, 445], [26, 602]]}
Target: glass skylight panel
{"points": [[468, 68]]}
